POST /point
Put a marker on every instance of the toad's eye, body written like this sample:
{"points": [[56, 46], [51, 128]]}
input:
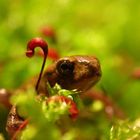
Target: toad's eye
{"points": [[65, 67]]}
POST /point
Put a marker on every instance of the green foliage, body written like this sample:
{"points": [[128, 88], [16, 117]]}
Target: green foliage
{"points": [[125, 130]]}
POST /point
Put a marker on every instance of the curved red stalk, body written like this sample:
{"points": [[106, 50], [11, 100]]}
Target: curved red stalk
{"points": [[22, 126], [32, 44]]}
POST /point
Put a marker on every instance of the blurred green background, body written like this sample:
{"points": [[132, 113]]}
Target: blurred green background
{"points": [[108, 29]]}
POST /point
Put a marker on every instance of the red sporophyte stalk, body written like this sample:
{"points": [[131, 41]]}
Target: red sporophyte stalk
{"points": [[32, 44], [22, 126], [72, 109]]}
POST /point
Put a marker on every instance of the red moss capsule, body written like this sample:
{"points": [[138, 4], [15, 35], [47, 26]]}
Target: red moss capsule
{"points": [[36, 42], [52, 54], [48, 31], [136, 73]]}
